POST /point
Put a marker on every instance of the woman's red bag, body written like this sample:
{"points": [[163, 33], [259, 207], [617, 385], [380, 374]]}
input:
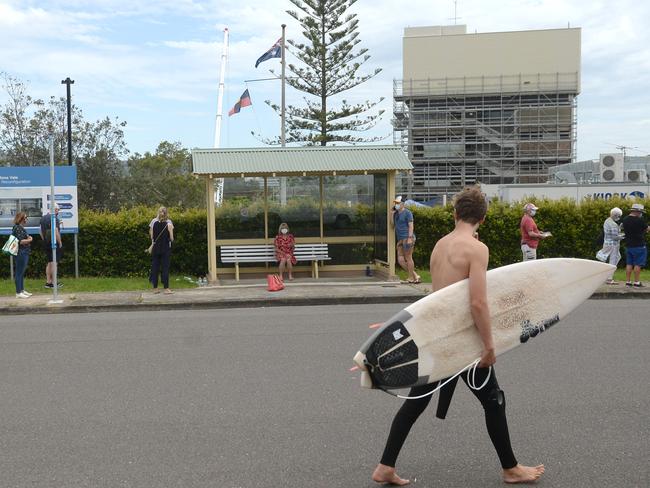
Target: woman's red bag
{"points": [[275, 283]]}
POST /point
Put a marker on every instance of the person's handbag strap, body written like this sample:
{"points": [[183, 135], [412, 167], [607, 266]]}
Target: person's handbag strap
{"points": [[161, 232]]}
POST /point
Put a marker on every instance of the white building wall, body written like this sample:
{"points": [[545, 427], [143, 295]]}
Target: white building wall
{"points": [[439, 52], [515, 193]]}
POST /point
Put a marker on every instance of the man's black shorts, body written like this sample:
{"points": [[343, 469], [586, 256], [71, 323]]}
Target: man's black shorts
{"points": [[48, 252]]}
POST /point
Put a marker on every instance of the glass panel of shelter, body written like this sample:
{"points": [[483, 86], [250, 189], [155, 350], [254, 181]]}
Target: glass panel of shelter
{"points": [[294, 200], [353, 205]]}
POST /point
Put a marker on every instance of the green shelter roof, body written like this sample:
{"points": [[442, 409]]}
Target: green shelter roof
{"points": [[298, 160]]}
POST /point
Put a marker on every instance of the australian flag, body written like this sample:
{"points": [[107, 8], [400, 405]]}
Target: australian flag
{"points": [[274, 52], [244, 101]]}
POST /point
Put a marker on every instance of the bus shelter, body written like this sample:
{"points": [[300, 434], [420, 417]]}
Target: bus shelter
{"points": [[339, 196]]}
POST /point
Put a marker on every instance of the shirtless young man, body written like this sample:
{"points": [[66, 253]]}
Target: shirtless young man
{"points": [[457, 256]]}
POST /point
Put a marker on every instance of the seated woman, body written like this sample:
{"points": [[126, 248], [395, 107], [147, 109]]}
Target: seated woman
{"points": [[284, 246]]}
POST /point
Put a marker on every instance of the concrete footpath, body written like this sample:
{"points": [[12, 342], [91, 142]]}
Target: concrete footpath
{"points": [[255, 294]]}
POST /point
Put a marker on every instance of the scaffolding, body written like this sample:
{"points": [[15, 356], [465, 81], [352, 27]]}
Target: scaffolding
{"points": [[493, 130]]}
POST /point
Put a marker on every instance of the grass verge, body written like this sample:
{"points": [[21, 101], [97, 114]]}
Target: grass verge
{"points": [[89, 285]]}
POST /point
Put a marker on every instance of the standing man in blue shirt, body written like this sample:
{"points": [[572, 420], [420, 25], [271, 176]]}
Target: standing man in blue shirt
{"points": [[402, 219]]}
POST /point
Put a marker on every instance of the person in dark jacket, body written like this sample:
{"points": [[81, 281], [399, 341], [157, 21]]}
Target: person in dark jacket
{"points": [[22, 258], [161, 232]]}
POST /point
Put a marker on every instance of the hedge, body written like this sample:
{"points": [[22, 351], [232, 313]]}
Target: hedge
{"points": [[113, 244], [575, 228]]}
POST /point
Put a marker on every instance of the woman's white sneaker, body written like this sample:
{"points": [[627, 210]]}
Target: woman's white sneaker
{"points": [[21, 295], [25, 292]]}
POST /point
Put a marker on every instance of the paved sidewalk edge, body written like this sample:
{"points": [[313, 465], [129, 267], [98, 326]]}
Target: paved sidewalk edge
{"points": [[206, 305], [256, 303]]}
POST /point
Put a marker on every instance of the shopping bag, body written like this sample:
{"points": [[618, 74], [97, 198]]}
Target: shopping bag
{"points": [[274, 282], [602, 255], [11, 246]]}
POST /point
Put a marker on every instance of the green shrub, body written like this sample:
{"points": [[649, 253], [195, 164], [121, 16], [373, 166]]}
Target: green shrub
{"points": [[574, 226], [113, 244]]}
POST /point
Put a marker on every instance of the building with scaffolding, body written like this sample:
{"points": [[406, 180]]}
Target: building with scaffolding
{"points": [[493, 108]]}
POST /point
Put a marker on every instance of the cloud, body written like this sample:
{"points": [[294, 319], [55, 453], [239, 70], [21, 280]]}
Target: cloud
{"points": [[158, 62]]}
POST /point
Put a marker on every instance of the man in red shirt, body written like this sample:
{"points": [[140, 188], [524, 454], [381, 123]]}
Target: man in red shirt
{"points": [[530, 234]]}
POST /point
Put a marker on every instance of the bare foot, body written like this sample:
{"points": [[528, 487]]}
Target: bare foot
{"points": [[386, 474], [168, 291], [523, 474], [156, 290]]}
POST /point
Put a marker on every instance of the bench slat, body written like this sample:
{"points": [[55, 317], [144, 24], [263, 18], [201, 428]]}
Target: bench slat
{"points": [[266, 253]]}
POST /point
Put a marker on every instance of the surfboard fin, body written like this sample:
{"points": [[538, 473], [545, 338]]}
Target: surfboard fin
{"points": [[444, 399]]}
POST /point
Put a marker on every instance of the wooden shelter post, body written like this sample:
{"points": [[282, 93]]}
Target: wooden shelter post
{"points": [[390, 238], [212, 235]]}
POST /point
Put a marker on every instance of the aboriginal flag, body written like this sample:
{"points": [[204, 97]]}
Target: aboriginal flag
{"points": [[274, 52], [244, 101]]}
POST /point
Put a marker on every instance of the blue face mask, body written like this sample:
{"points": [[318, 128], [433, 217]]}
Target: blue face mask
{"points": [[533, 212], [397, 207]]}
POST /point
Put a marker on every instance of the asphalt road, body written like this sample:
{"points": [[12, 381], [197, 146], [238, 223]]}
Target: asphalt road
{"points": [[264, 398]]}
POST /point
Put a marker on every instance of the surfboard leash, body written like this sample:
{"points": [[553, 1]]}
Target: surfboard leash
{"points": [[471, 382]]}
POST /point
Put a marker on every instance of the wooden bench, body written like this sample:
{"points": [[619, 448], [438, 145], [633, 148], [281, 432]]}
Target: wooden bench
{"points": [[265, 253]]}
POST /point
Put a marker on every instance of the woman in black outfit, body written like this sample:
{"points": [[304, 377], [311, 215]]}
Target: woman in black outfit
{"points": [[161, 231]]}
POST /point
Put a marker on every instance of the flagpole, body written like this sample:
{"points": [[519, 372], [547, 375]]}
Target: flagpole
{"points": [[222, 76], [282, 130], [283, 140], [219, 182]]}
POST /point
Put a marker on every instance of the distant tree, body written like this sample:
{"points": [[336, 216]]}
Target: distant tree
{"points": [[164, 178], [28, 124], [330, 68]]}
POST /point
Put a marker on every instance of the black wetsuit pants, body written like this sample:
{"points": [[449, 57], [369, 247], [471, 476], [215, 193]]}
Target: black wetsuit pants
{"points": [[492, 400]]}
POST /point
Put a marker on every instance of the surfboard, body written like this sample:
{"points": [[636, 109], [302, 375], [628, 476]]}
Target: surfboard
{"points": [[435, 337]]}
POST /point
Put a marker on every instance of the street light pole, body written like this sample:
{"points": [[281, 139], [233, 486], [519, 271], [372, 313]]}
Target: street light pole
{"points": [[69, 82]]}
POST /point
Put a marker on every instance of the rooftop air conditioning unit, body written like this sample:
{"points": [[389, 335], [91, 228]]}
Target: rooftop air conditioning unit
{"points": [[611, 168], [636, 176]]}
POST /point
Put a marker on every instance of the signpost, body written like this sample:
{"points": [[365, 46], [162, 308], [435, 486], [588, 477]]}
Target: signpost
{"points": [[30, 190], [53, 243]]}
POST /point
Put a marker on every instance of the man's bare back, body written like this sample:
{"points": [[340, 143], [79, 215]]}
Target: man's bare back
{"points": [[451, 256]]}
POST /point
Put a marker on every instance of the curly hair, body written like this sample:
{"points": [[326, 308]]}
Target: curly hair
{"points": [[470, 205]]}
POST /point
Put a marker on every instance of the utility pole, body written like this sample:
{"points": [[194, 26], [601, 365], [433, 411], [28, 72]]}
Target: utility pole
{"points": [[69, 82]]}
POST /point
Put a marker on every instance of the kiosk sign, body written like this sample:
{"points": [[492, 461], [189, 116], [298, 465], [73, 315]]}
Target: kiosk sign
{"points": [[27, 189]]}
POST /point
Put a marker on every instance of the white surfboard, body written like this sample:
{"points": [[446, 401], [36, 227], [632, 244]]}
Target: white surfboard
{"points": [[435, 337]]}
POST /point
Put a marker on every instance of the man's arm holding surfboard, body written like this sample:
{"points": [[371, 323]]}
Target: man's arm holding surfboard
{"points": [[478, 302]]}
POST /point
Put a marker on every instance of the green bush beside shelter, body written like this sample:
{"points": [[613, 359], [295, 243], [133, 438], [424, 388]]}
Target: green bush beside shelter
{"points": [[113, 244]]}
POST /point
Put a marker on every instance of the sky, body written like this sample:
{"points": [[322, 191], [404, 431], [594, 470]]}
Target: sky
{"points": [[155, 64]]}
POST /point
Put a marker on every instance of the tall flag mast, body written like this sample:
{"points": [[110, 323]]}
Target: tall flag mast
{"points": [[218, 196], [282, 130], [222, 76]]}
